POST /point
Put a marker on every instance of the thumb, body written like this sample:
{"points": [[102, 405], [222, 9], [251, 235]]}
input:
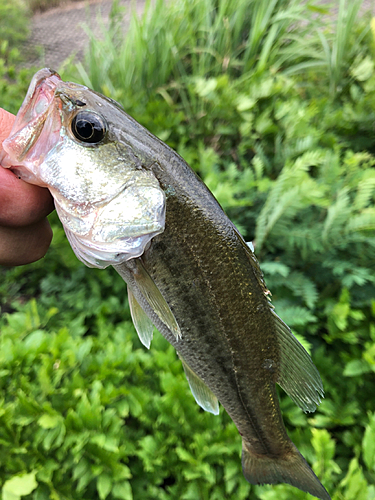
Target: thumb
{"points": [[6, 123]]}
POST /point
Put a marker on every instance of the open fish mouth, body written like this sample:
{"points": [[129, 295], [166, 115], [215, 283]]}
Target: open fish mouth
{"points": [[39, 97], [38, 108]]}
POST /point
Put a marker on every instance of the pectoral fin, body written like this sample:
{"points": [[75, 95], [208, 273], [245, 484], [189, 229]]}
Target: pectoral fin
{"points": [[202, 394], [297, 374], [152, 295], [142, 322]]}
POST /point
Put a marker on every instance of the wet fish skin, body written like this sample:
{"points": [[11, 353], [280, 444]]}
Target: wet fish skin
{"points": [[196, 280]]}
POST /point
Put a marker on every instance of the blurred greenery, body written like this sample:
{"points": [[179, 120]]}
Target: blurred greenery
{"points": [[277, 116], [14, 30]]}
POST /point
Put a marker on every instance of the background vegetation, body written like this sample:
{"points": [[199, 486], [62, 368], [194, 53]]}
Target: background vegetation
{"points": [[273, 103]]}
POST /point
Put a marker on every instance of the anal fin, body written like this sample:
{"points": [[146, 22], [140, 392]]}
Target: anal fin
{"points": [[202, 394]]}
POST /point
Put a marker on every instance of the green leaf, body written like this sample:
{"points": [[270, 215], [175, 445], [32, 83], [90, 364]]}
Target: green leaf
{"points": [[368, 443], [47, 421], [364, 69], [244, 103], [122, 491], [275, 268], [19, 486], [354, 483], [356, 367], [104, 485]]}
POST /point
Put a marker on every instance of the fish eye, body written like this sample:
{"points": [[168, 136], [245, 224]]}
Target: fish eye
{"points": [[89, 127]]}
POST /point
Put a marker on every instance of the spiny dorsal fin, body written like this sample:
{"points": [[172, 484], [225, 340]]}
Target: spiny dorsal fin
{"points": [[249, 249], [142, 322], [297, 374], [156, 301], [202, 394]]}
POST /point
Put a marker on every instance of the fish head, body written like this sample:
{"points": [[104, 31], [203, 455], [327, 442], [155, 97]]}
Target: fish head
{"points": [[68, 138]]}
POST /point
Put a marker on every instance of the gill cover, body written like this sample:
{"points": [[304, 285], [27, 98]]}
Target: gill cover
{"points": [[120, 229]]}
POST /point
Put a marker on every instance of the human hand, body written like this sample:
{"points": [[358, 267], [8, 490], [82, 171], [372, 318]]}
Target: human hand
{"points": [[25, 233]]}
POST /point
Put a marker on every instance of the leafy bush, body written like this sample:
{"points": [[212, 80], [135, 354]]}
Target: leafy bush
{"points": [[289, 153], [14, 29], [13, 22], [199, 39]]}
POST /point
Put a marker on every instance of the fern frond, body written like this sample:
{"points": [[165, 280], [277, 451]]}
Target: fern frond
{"points": [[365, 221], [293, 190], [337, 214], [302, 286], [275, 268], [277, 205], [310, 158], [365, 191], [306, 238], [294, 315]]}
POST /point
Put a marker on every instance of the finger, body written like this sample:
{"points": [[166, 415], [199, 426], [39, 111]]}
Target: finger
{"points": [[6, 123], [22, 203], [19, 246]]}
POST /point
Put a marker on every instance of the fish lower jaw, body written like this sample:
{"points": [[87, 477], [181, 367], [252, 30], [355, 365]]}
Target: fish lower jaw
{"points": [[102, 255], [26, 175]]}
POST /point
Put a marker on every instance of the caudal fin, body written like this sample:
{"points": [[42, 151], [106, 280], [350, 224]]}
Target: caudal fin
{"points": [[292, 469]]}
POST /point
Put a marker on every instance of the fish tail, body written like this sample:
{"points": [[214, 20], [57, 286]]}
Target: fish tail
{"points": [[291, 468]]}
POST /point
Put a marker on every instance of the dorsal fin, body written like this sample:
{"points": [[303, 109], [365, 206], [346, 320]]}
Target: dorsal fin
{"points": [[142, 322], [202, 394], [249, 249], [297, 374]]}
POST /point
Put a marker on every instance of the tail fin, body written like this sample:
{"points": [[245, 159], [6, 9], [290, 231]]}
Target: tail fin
{"points": [[292, 469]]}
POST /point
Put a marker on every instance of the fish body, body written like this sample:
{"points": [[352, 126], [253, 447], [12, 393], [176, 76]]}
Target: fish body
{"points": [[131, 201]]}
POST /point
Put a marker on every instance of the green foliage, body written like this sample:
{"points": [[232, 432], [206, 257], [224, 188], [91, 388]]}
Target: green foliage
{"points": [[14, 82], [330, 51], [87, 409], [13, 22], [199, 39], [14, 29], [277, 117]]}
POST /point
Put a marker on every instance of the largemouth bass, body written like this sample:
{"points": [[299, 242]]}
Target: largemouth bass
{"points": [[128, 200]]}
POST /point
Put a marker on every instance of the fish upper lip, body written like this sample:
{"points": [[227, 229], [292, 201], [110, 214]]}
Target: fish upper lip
{"points": [[40, 76], [47, 80]]}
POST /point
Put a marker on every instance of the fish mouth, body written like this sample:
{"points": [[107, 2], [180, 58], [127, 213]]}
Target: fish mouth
{"points": [[36, 109]]}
